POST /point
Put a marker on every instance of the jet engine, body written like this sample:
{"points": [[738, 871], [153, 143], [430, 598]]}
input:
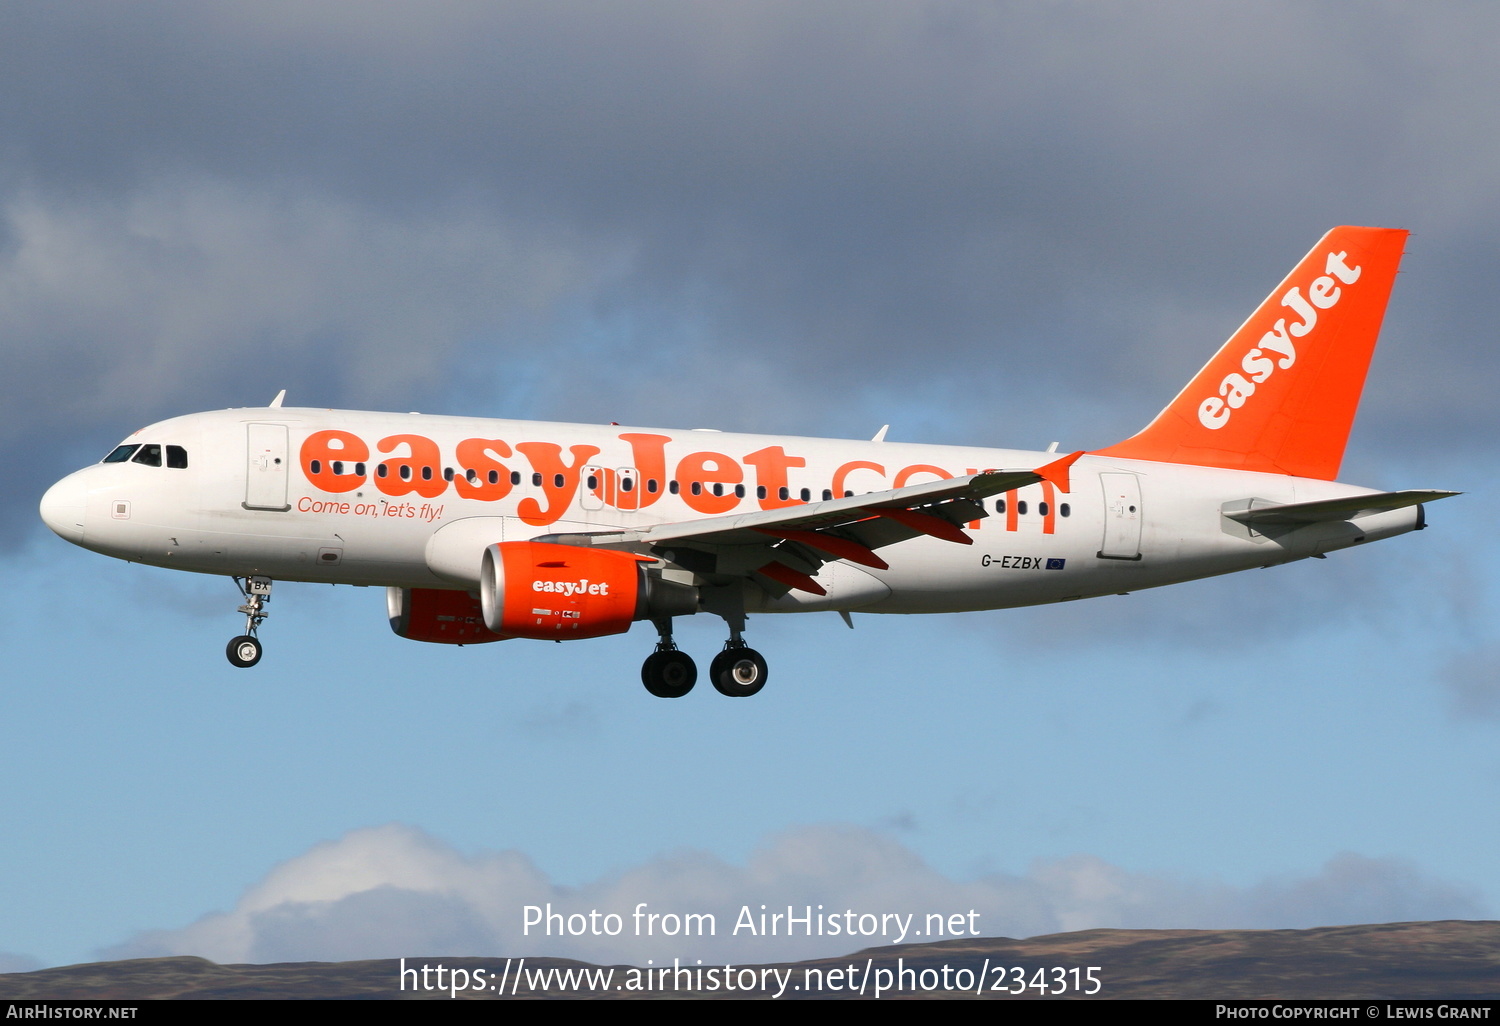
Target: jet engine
{"points": [[443, 617], [556, 592]]}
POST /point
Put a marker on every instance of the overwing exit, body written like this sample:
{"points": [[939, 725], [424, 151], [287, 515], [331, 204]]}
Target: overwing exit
{"points": [[487, 530]]}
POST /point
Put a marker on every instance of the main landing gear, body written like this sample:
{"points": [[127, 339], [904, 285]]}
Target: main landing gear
{"points": [[668, 673], [245, 650], [738, 671]]}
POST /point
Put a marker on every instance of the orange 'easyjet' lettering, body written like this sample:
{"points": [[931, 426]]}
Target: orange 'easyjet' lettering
{"points": [[559, 479], [419, 472], [323, 449]]}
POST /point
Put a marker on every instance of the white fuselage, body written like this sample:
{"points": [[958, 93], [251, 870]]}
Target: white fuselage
{"points": [[259, 496]]}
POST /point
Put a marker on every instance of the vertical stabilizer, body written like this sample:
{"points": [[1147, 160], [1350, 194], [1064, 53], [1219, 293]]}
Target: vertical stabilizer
{"points": [[1280, 396]]}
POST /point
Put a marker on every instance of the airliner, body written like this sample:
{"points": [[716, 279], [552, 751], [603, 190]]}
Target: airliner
{"points": [[486, 530]]}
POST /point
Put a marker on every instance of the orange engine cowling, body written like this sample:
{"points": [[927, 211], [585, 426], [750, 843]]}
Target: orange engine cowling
{"points": [[444, 617], [556, 592]]}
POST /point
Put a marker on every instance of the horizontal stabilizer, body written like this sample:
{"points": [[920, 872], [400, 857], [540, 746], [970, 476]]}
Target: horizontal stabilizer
{"points": [[1323, 510]]}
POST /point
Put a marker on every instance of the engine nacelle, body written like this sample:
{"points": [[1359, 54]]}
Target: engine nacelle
{"points": [[443, 617], [557, 592]]}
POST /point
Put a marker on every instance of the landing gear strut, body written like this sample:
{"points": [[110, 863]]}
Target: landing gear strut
{"points": [[668, 673], [245, 650]]}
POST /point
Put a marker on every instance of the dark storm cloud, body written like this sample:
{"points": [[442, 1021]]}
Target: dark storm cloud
{"points": [[776, 215]]}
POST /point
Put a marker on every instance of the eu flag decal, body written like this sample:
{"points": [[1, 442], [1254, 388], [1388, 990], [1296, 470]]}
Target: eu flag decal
{"points": [[1055, 564]]}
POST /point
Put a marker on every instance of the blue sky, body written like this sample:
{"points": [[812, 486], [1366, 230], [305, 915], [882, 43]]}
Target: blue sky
{"points": [[987, 224]]}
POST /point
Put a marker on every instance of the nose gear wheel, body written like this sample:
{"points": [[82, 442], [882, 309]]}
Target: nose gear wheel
{"points": [[245, 651]]}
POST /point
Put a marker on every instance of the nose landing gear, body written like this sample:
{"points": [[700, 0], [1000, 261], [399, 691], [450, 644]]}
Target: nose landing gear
{"points": [[245, 650]]}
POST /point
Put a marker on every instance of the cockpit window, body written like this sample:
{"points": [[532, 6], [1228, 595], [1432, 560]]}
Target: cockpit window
{"points": [[149, 455]]}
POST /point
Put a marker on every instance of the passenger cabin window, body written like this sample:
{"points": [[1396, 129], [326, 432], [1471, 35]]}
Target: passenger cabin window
{"points": [[1065, 509], [121, 454], [176, 457], [150, 455]]}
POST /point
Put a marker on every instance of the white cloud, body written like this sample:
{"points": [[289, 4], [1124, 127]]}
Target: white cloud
{"points": [[395, 891]]}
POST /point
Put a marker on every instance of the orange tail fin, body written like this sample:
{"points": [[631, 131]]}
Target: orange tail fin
{"points": [[1280, 396]]}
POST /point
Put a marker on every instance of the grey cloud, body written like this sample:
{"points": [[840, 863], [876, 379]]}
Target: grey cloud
{"points": [[113, 314], [390, 891], [12, 963], [1472, 682], [569, 720], [773, 214]]}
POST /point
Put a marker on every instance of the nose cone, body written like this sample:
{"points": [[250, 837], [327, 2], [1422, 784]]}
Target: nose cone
{"points": [[63, 506]]}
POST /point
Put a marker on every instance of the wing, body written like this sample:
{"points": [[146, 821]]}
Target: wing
{"points": [[786, 546]]}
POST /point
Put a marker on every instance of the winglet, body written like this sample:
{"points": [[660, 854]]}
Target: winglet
{"points": [[1056, 472], [276, 403]]}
